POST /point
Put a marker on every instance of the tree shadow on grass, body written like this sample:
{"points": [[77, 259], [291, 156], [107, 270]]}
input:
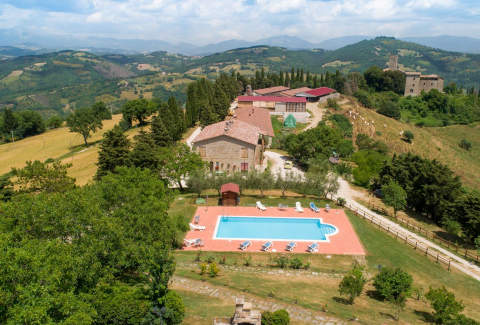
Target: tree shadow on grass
{"points": [[341, 300], [427, 317], [375, 295]]}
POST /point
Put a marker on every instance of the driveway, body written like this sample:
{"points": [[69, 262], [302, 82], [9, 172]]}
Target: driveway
{"points": [[277, 161], [317, 115]]}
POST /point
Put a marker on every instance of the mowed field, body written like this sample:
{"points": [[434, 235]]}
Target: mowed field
{"points": [[59, 144], [440, 143]]}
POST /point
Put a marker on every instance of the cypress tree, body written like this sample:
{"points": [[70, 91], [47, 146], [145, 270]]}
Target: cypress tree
{"points": [[221, 104], [281, 80], [315, 81], [160, 133], [114, 151], [10, 121], [287, 80], [144, 153]]}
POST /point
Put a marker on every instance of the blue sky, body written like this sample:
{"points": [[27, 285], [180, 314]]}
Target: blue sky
{"points": [[207, 21]]}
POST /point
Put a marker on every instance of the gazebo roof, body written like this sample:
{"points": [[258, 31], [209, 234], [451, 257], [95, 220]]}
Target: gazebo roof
{"points": [[230, 187]]}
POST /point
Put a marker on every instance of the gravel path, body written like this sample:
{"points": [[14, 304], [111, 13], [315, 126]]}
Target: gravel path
{"points": [[317, 113], [296, 312]]}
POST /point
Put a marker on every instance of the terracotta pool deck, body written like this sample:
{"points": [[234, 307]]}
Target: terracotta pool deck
{"points": [[345, 242]]}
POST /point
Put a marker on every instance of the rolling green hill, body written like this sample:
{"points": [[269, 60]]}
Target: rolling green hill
{"points": [[62, 81]]}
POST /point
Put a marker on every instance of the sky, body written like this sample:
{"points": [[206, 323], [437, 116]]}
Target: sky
{"points": [[209, 21]]}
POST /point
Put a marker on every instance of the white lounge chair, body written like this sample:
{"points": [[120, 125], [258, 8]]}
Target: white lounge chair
{"points": [[245, 244], [291, 246], [193, 242], [261, 206], [313, 248], [314, 207], [196, 227], [266, 247], [298, 207]]}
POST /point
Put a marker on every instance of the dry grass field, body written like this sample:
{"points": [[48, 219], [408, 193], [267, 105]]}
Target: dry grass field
{"points": [[59, 144], [440, 143]]}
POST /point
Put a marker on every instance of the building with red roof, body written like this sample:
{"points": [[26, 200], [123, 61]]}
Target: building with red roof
{"points": [[293, 92], [318, 94], [230, 193], [260, 117]]}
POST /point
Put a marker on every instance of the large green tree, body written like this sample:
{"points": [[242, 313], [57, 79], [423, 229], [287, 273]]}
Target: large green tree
{"points": [[114, 151], [395, 196], [84, 121], [352, 283], [446, 308], [395, 286]]}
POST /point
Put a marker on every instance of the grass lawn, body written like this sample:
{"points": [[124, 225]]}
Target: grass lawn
{"points": [[321, 292], [202, 309], [59, 144]]}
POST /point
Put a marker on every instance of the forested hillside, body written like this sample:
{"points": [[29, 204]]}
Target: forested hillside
{"points": [[60, 82]]}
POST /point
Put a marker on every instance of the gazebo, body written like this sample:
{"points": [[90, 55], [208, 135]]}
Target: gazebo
{"points": [[290, 121], [230, 193]]}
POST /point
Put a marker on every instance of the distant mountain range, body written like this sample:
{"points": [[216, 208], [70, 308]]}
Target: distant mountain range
{"points": [[99, 45]]}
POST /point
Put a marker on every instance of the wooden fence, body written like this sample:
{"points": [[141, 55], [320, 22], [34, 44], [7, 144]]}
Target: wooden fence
{"points": [[415, 244], [431, 236]]}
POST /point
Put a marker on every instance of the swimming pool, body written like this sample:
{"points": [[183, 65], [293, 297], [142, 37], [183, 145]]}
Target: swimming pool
{"points": [[273, 228]]}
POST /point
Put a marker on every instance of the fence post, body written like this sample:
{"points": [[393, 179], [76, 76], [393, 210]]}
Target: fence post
{"points": [[416, 244], [449, 264], [466, 252], [437, 257], [426, 251]]}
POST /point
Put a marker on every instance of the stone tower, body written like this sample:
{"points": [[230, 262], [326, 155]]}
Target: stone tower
{"points": [[393, 62]]}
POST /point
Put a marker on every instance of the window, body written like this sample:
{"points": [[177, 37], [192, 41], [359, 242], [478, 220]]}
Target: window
{"points": [[411, 90], [202, 151], [216, 165], [234, 168], [432, 83], [228, 166], [244, 167], [211, 166], [221, 166], [244, 153]]}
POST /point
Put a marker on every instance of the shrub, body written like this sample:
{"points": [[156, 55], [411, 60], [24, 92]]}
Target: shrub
{"points": [[343, 124], [444, 304], [213, 270], [296, 263], [282, 262], [408, 136], [210, 259], [465, 144], [352, 284], [174, 309], [394, 285], [341, 201], [247, 261], [203, 268], [332, 103], [279, 317]]}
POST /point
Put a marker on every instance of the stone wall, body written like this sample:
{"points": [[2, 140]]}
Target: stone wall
{"points": [[227, 152]]}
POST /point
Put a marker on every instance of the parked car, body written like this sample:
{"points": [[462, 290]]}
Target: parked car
{"points": [[288, 165]]}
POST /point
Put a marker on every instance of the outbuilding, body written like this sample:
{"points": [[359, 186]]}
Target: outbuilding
{"points": [[319, 94], [230, 193]]}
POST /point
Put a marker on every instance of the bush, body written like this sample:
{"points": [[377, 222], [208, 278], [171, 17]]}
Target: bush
{"points": [[54, 122], [343, 124], [352, 283], [364, 98], [332, 103], [282, 262], [444, 304], [279, 317], [296, 263], [174, 309], [203, 268], [465, 144], [341, 201], [408, 136], [213, 270]]}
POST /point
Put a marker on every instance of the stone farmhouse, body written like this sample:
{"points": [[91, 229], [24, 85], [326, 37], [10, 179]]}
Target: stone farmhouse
{"points": [[238, 143], [415, 83], [277, 105], [272, 91]]}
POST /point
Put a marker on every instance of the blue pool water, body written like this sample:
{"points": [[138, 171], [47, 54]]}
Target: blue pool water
{"points": [[271, 228]]}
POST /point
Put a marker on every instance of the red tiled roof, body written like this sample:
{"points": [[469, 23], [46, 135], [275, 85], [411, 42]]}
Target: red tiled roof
{"points": [[279, 99], [322, 91], [260, 117], [270, 90], [293, 92], [237, 129], [230, 187]]}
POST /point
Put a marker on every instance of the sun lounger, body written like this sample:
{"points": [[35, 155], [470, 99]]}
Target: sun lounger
{"points": [[291, 246], [298, 207], [261, 206], [193, 242], [327, 207], [196, 219], [196, 227], [266, 247], [314, 207], [282, 206], [245, 244], [313, 248]]}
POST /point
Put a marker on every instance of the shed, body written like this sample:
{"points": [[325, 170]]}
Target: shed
{"points": [[290, 121], [230, 193]]}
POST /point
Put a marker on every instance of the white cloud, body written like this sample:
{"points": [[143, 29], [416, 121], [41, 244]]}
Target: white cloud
{"points": [[205, 21]]}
